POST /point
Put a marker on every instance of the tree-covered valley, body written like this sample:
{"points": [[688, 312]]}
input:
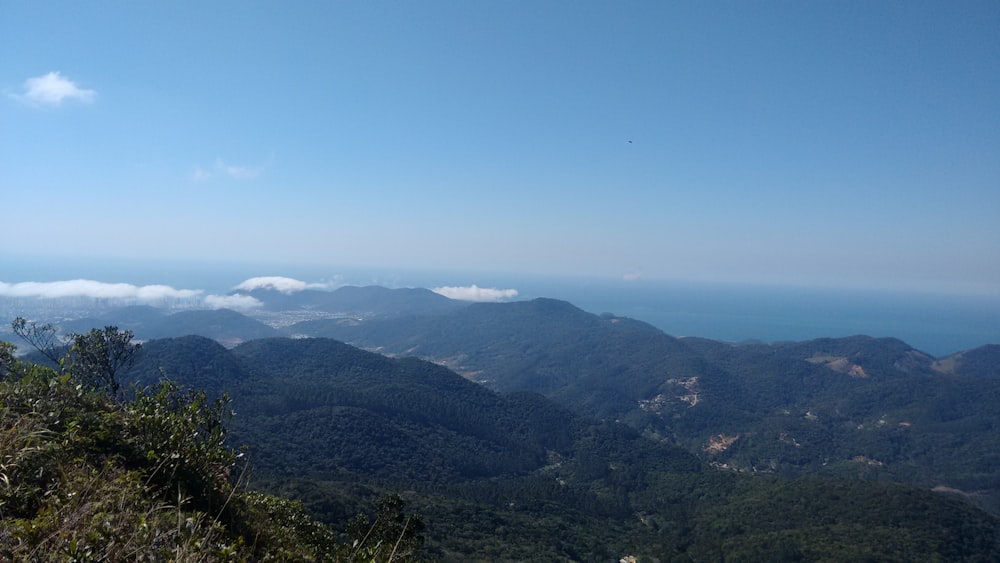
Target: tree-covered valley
{"points": [[537, 431]]}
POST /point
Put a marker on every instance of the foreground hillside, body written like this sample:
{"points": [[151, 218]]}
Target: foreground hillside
{"points": [[515, 476], [85, 476]]}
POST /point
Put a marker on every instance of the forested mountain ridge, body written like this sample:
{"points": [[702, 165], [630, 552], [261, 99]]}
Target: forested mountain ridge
{"points": [[599, 365], [859, 406], [335, 426], [408, 401]]}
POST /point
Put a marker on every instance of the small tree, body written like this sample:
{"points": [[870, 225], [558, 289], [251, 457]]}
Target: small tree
{"points": [[43, 338], [97, 357], [393, 534]]}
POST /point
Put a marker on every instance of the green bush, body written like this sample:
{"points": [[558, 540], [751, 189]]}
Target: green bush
{"points": [[84, 476]]}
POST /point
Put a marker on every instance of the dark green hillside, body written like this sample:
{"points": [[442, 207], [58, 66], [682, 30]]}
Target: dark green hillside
{"points": [[516, 477], [393, 418], [890, 418], [409, 418], [843, 520], [873, 408], [599, 366], [862, 356], [978, 362], [223, 325], [196, 361], [364, 302]]}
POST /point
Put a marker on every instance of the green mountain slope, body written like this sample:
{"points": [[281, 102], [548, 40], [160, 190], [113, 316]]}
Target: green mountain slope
{"points": [[369, 413], [601, 366], [858, 406], [223, 325], [979, 362], [516, 477]]}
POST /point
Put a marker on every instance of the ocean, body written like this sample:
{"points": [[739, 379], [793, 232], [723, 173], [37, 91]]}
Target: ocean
{"points": [[933, 323], [936, 324]]}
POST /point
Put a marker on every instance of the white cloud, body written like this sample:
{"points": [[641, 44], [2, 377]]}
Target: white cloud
{"points": [[222, 168], [232, 302], [238, 172], [52, 89], [632, 275], [154, 292], [95, 289], [476, 293], [278, 283]]}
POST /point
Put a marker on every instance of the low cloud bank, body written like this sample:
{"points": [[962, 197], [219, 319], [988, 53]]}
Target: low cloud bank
{"points": [[96, 290], [278, 283], [476, 293], [240, 302]]}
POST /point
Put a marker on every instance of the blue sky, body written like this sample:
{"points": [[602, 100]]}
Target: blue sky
{"points": [[838, 144]]}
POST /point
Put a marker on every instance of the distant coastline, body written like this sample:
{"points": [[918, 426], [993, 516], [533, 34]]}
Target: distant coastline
{"points": [[934, 323]]}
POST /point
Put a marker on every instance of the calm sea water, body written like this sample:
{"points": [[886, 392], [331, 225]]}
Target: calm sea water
{"points": [[936, 324]]}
